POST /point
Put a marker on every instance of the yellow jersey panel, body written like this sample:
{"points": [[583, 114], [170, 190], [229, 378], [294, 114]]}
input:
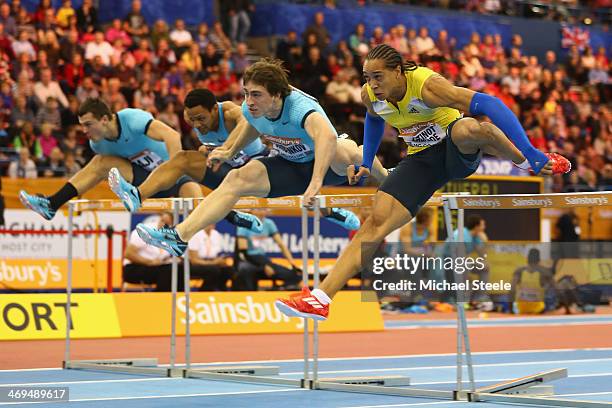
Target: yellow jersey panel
{"points": [[419, 125]]}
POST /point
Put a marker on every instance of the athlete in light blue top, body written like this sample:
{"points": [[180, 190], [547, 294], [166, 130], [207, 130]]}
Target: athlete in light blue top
{"points": [[287, 132], [214, 123], [309, 155], [130, 140]]}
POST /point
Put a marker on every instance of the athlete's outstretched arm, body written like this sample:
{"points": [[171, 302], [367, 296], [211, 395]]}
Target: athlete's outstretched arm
{"points": [[233, 113], [244, 134], [439, 92], [158, 130], [324, 151]]}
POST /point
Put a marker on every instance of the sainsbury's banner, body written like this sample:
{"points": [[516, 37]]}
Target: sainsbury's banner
{"points": [[237, 313], [38, 316], [52, 273], [43, 316]]}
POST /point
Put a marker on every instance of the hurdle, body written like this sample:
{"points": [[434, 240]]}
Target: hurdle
{"points": [[509, 392]]}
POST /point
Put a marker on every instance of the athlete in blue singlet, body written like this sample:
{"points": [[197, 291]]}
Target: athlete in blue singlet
{"points": [[309, 154], [214, 124], [130, 140]]}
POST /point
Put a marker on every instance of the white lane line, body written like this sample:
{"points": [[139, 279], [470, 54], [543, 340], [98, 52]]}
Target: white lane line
{"points": [[211, 394], [414, 404], [445, 367]]}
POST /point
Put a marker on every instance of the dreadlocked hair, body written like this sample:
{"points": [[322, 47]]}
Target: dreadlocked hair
{"points": [[391, 57]]}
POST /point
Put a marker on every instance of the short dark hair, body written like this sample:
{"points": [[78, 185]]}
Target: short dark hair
{"points": [[97, 107], [473, 221], [200, 97], [533, 257], [269, 73]]}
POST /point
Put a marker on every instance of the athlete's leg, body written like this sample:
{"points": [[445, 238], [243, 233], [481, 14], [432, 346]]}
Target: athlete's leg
{"points": [[185, 162], [387, 215], [470, 136], [190, 189], [348, 153], [95, 171], [250, 180]]}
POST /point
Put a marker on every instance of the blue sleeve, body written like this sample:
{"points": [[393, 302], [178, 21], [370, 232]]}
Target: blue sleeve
{"points": [[137, 120], [242, 232], [373, 133], [272, 229]]}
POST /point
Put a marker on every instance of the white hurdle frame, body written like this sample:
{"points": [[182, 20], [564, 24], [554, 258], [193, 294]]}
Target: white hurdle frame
{"points": [[501, 392]]}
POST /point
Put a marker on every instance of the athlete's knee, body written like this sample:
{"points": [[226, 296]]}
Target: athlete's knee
{"points": [[376, 226], [244, 176], [181, 159], [469, 130], [103, 163]]}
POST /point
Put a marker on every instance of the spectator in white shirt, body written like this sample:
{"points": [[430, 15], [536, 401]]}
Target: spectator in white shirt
{"points": [[206, 260], [424, 43], [24, 167], [23, 45], [99, 47], [48, 88], [180, 37], [144, 263]]}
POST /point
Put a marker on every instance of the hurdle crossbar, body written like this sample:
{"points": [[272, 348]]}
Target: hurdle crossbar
{"points": [[505, 392]]}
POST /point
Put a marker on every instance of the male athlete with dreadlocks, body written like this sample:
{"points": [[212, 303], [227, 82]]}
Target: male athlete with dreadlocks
{"points": [[426, 110]]}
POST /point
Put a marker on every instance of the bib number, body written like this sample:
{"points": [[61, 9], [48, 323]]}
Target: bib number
{"points": [[147, 159]]}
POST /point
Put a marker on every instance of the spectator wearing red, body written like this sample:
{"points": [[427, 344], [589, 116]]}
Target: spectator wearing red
{"points": [[73, 73]]}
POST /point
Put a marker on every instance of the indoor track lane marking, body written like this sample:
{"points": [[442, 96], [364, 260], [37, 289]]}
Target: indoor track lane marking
{"points": [[211, 394], [414, 404], [90, 381], [477, 353], [445, 367]]}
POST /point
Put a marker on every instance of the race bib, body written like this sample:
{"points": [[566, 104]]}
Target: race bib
{"points": [[290, 149], [239, 160], [422, 134], [147, 159]]}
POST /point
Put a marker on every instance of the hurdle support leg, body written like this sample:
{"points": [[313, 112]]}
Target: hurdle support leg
{"points": [[131, 366]]}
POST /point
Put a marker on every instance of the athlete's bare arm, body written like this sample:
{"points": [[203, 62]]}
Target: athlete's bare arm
{"points": [[158, 130], [235, 122], [438, 92], [324, 151]]}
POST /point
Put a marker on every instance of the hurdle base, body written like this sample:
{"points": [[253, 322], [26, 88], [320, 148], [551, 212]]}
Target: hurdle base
{"points": [[527, 391], [383, 381], [538, 401], [513, 386], [382, 390], [248, 378], [135, 366], [535, 391], [246, 370]]}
